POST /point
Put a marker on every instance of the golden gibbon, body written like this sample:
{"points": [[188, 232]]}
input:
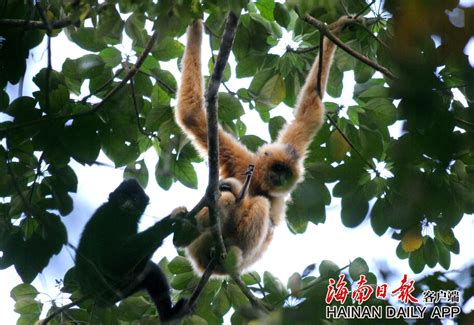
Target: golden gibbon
{"points": [[249, 224]]}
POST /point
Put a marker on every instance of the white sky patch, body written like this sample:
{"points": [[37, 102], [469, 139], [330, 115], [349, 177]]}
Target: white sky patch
{"points": [[469, 51]]}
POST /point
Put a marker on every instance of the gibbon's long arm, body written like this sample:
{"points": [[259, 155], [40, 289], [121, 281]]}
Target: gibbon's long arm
{"points": [[309, 115], [190, 113]]}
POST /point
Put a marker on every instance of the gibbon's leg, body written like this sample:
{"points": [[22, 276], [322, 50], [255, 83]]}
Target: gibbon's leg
{"points": [[156, 284], [251, 227], [309, 115], [191, 116]]}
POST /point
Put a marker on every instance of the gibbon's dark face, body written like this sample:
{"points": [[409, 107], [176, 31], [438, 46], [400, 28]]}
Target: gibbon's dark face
{"points": [[130, 197], [280, 174]]}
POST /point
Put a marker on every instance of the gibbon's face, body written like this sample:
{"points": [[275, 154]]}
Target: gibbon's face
{"points": [[230, 190], [130, 197], [280, 165]]}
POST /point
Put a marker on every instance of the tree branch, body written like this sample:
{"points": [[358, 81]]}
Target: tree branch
{"points": [[324, 29], [302, 50], [110, 94], [246, 291], [202, 283], [213, 131], [35, 24], [62, 309], [349, 142]]}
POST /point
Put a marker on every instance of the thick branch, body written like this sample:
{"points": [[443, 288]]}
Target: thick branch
{"points": [[324, 29], [213, 131], [202, 283], [133, 70], [35, 24]]}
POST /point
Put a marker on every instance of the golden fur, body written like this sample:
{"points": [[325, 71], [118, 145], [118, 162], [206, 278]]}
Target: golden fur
{"points": [[278, 166], [244, 224]]}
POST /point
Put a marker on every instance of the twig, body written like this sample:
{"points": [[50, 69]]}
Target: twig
{"points": [[107, 83], [373, 36], [168, 88], [362, 11], [110, 94], [34, 24], [324, 29], [246, 291], [149, 135], [62, 309], [49, 31], [202, 283], [344, 7], [302, 50], [38, 172], [349, 142], [457, 119], [213, 134], [233, 93], [320, 66]]}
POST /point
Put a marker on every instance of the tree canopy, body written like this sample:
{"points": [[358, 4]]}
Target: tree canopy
{"points": [[410, 68]]}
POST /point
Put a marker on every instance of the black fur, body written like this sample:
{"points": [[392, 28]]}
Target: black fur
{"points": [[113, 259]]}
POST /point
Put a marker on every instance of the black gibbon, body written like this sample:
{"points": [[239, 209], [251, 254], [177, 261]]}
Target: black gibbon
{"points": [[113, 259], [278, 166]]}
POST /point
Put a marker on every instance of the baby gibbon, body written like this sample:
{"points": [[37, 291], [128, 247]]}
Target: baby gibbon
{"points": [[278, 166], [245, 224]]}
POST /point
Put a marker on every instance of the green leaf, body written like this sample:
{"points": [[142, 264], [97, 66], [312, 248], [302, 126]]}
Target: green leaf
{"points": [[444, 258], [134, 27], [252, 142], [230, 108], [184, 171], [168, 49], [275, 125], [381, 111], [163, 174], [401, 252], [357, 268], [90, 66], [354, 209], [180, 265], [182, 281], [417, 260], [88, 39], [377, 218], [337, 146], [132, 308], [28, 306], [236, 296], [22, 291], [274, 286], [430, 252], [273, 92], [221, 303], [266, 8], [295, 284], [328, 269], [138, 171], [281, 14]]}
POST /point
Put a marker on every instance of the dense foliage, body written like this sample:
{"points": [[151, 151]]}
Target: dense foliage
{"points": [[418, 185]]}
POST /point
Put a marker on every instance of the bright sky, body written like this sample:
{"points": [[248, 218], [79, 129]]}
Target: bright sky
{"points": [[288, 253]]}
